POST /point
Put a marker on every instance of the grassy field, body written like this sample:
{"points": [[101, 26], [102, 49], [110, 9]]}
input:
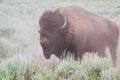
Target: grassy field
{"points": [[19, 23]]}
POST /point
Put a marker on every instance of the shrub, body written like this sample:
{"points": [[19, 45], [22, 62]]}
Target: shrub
{"points": [[20, 67], [91, 67], [110, 74]]}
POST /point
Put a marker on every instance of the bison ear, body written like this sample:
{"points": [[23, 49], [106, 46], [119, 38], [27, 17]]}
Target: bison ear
{"points": [[64, 24]]}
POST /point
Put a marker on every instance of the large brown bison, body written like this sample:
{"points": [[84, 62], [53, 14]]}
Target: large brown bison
{"points": [[76, 30]]}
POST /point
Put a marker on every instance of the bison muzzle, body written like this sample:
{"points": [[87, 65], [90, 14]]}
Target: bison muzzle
{"points": [[76, 30]]}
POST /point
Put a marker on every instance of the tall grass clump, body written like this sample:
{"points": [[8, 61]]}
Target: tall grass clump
{"points": [[19, 67]]}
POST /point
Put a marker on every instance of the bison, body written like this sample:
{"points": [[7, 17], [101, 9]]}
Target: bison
{"points": [[76, 30]]}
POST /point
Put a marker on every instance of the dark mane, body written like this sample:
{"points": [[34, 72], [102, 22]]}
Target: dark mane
{"points": [[51, 20], [50, 23]]}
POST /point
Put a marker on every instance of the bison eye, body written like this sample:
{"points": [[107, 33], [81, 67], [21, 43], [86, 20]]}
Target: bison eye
{"points": [[43, 41]]}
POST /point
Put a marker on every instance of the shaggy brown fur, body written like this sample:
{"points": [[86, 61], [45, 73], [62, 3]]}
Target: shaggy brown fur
{"points": [[84, 32]]}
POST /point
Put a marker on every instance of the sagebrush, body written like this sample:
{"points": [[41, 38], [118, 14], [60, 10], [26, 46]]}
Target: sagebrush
{"points": [[92, 67]]}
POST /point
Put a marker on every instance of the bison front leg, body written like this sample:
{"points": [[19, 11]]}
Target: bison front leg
{"points": [[113, 55], [78, 55]]}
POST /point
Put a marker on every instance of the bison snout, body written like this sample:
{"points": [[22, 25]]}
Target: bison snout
{"points": [[43, 41]]}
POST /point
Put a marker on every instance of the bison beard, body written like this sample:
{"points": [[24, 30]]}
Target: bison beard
{"points": [[74, 29]]}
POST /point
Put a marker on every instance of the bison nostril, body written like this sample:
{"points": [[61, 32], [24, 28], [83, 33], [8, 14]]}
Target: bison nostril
{"points": [[43, 41]]}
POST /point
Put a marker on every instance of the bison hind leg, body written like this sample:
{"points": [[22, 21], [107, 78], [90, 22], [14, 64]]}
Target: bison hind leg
{"points": [[103, 52], [113, 54]]}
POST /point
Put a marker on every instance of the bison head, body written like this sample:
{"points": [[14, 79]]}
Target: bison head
{"points": [[53, 31]]}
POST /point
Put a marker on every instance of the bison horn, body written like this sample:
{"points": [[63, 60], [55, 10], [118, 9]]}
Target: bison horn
{"points": [[65, 23]]}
